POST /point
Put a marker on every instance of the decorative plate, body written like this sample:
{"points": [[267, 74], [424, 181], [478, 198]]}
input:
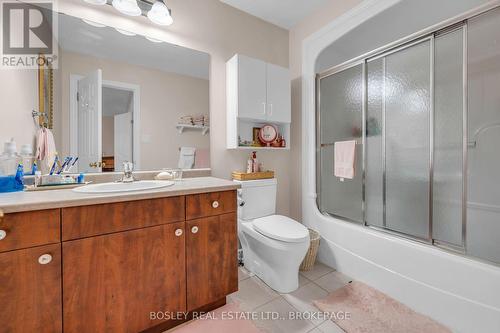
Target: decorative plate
{"points": [[268, 134]]}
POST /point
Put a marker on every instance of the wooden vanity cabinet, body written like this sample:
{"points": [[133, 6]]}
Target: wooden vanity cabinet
{"points": [[113, 282], [212, 265], [113, 266], [30, 272]]}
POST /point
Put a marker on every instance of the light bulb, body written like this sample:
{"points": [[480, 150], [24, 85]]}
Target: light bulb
{"points": [[160, 14], [127, 7]]}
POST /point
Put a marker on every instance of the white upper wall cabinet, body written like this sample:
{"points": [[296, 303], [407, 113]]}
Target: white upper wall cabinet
{"points": [[251, 87], [256, 92], [278, 94]]}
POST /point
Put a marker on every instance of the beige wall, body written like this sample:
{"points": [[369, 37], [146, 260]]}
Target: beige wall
{"points": [[16, 121], [301, 31], [164, 98], [221, 31]]}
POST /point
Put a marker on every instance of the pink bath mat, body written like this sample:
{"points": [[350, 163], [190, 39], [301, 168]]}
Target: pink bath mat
{"points": [[229, 318], [368, 310]]}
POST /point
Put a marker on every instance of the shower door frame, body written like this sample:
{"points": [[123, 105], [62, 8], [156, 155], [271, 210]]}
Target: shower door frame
{"points": [[421, 37]]}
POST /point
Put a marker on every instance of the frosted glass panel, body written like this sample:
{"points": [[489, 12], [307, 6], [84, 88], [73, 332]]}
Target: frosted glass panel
{"points": [[341, 119], [448, 138], [374, 154], [407, 112], [483, 205]]}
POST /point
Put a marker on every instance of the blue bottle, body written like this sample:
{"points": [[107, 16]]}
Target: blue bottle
{"points": [[13, 183], [19, 179]]}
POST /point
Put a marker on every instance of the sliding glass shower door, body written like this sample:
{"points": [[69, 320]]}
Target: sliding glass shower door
{"points": [[426, 119], [398, 163], [341, 120]]}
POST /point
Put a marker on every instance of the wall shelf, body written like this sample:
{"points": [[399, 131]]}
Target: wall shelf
{"points": [[204, 129]]}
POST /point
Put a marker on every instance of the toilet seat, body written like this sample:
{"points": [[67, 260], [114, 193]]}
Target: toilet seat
{"points": [[281, 228]]}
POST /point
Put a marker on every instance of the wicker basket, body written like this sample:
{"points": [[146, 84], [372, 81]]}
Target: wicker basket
{"points": [[308, 262]]}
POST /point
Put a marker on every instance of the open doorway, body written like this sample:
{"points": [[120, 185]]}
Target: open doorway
{"points": [[117, 128], [112, 114]]}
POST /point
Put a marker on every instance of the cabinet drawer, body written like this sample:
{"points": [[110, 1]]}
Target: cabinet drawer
{"points": [[87, 221], [28, 229], [210, 204]]}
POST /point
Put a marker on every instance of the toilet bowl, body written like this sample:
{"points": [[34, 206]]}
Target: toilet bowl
{"points": [[273, 245]]}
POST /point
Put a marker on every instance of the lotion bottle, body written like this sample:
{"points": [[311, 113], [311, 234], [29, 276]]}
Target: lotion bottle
{"points": [[250, 165], [255, 162]]}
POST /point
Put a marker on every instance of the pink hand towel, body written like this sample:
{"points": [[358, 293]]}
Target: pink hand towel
{"points": [[345, 158], [202, 158]]}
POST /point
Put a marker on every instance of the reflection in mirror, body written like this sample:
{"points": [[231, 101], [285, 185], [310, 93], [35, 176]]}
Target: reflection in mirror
{"points": [[117, 97]]}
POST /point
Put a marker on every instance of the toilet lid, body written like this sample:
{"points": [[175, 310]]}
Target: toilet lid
{"points": [[281, 228]]}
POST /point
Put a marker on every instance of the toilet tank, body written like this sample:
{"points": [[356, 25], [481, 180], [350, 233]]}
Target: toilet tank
{"points": [[259, 198]]}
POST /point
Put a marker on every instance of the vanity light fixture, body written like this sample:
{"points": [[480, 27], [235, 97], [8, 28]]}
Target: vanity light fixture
{"points": [[127, 7], [160, 14], [155, 10]]}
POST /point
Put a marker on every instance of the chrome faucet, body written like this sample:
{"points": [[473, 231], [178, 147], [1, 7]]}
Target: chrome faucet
{"points": [[128, 168]]}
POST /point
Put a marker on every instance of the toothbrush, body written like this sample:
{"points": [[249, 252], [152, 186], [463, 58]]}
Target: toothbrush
{"points": [[66, 160], [68, 165], [52, 169]]}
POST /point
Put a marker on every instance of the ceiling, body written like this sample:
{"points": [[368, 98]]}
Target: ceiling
{"points": [[283, 13], [79, 37]]}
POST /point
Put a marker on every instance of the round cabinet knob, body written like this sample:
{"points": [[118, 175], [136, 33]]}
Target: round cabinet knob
{"points": [[178, 232], [3, 234], [44, 259], [215, 204], [194, 229]]}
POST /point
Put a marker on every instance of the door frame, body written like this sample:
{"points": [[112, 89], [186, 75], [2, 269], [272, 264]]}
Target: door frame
{"points": [[136, 115]]}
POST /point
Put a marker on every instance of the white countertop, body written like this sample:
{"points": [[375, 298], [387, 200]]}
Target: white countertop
{"points": [[37, 200]]}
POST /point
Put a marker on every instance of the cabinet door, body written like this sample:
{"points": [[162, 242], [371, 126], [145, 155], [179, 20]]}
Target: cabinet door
{"points": [[251, 88], [211, 258], [30, 290], [112, 283], [278, 94]]}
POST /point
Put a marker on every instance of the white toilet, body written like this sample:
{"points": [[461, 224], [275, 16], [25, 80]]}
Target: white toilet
{"points": [[273, 245]]}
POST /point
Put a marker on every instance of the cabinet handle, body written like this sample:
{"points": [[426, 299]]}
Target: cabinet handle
{"points": [[194, 229], [178, 232], [271, 109], [44, 259], [215, 204], [263, 107], [3, 234]]}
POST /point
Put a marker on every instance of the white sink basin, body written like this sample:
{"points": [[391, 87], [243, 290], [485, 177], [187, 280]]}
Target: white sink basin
{"points": [[124, 187]]}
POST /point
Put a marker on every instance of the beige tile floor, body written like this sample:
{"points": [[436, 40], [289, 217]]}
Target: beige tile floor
{"points": [[254, 295]]}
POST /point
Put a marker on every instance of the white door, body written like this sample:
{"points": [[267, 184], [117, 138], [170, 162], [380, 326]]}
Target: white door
{"points": [[251, 88], [278, 94], [90, 122], [123, 139]]}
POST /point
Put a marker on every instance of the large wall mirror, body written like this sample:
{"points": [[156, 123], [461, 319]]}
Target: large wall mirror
{"points": [[118, 97]]}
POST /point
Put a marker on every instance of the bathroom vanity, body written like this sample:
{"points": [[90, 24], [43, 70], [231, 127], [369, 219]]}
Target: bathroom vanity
{"points": [[122, 262]]}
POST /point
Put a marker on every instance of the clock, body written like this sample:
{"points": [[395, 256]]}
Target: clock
{"points": [[268, 134]]}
